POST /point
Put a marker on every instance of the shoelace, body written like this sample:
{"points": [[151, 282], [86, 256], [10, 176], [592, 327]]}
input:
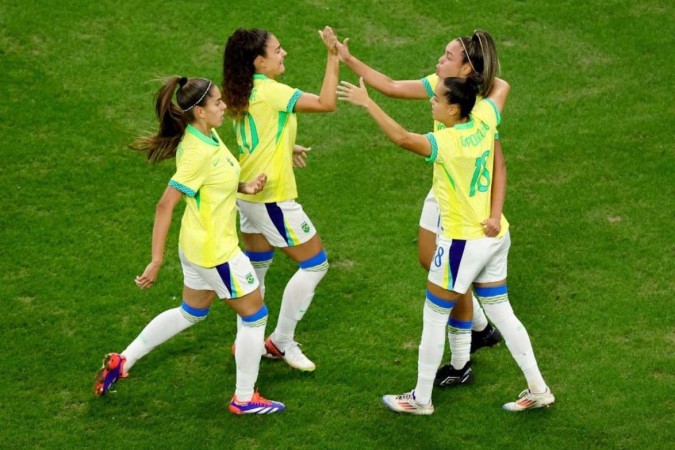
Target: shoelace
{"points": [[406, 396]]}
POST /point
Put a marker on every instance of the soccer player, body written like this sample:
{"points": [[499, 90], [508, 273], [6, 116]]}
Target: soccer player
{"points": [[468, 328], [207, 177], [462, 154], [264, 116]]}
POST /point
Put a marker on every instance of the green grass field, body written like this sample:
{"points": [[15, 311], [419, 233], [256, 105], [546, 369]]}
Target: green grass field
{"points": [[588, 138]]}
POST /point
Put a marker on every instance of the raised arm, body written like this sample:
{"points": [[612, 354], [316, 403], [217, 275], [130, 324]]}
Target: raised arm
{"points": [[358, 95], [326, 101], [160, 230], [499, 92], [407, 89]]}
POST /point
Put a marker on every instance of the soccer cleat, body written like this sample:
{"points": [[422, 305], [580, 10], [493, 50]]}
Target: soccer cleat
{"points": [[448, 376], [489, 337], [257, 405], [407, 403], [528, 400], [111, 371], [292, 355]]}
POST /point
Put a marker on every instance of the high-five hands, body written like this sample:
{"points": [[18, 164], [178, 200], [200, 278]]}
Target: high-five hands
{"points": [[356, 95], [329, 40]]}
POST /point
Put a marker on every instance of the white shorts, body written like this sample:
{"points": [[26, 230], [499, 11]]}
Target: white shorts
{"points": [[431, 214], [232, 279], [458, 264], [284, 224]]}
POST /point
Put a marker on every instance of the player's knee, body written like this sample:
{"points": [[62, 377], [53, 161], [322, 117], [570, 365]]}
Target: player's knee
{"points": [[257, 319], [193, 315], [317, 263], [260, 259]]}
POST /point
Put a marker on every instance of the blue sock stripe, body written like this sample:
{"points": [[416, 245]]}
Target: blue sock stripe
{"points": [[194, 311], [447, 304], [491, 291], [260, 256], [460, 324], [316, 260], [262, 312]]}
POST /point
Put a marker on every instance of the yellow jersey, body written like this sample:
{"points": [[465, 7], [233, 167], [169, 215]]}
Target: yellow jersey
{"points": [[208, 176], [265, 139]]}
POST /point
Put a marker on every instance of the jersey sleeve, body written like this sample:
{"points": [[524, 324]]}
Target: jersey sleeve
{"points": [[191, 172], [283, 97], [430, 82], [431, 137], [486, 111]]}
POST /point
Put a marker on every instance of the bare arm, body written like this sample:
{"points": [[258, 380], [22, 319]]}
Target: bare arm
{"points": [[326, 101], [160, 230], [407, 89], [499, 92], [493, 224], [357, 95]]}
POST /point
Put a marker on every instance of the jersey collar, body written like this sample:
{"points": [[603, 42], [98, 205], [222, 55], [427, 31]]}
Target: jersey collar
{"points": [[212, 140], [464, 126]]}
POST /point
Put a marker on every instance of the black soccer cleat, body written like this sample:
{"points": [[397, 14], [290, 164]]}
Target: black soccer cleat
{"points": [[448, 376], [489, 337]]}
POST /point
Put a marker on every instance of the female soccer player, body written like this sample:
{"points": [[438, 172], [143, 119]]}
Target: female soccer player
{"points": [[264, 114], [468, 328], [208, 178], [462, 154]]}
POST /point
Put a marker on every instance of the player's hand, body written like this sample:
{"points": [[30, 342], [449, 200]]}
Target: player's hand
{"points": [[254, 186], [356, 95], [300, 156], [492, 227], [147, 280], [343, 50], [329, 40]]}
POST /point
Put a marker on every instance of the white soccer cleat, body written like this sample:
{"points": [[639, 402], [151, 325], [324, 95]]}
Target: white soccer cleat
{"points": [[528, 400], [292, 355], [407, 403]]}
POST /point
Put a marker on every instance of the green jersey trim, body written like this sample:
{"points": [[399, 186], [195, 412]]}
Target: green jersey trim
{"points": [[434, 147], [209, 140], [182, 188], [497, 113], [427, 87], [464, 126], [291, 103]]}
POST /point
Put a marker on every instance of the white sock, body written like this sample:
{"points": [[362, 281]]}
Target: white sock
{"points": [[297, 297], [459, 335], [517, 340], [160, 329], [250, 338], [434, 319], [479, 319]]}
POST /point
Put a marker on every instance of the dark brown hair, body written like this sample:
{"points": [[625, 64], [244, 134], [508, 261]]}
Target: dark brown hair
{"points": [[173, 117], [241, 49], [462, 92], [481, 54]]}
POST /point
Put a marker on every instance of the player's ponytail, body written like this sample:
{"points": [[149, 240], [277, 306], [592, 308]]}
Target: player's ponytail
{"points": [[173, 117], [480, 53], [241, 50]]}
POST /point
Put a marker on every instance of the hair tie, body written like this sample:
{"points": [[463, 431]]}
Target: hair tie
{"points": [[182, 81]]}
